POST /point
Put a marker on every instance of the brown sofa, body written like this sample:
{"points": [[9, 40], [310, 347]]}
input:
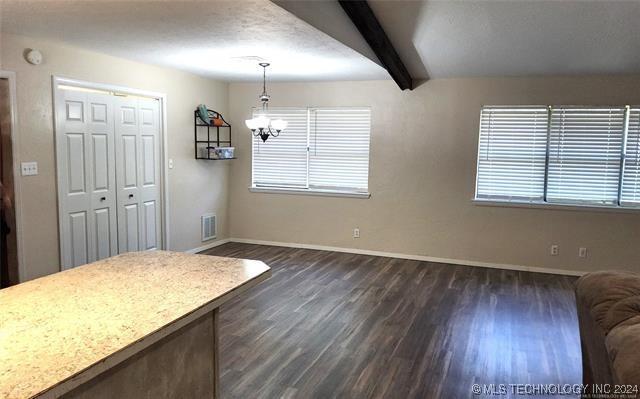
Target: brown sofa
{"points": [[609, 316]]}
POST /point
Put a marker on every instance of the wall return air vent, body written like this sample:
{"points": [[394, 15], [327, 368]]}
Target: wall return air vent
{"points": [[209, 226]]}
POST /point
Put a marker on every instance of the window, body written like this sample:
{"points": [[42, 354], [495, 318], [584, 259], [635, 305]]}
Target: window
{"points": [[322, 150], [584, 155], [512, 153], [560, 155]]}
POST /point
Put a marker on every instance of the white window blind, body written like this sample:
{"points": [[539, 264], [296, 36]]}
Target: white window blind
{"points": [[512, 152], [339, 149], [322, 149], [630, 191], [584, 154], [282, 161]]}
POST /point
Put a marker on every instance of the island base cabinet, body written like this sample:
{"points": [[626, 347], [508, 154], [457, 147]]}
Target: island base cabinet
{"points": [[182, 365]]}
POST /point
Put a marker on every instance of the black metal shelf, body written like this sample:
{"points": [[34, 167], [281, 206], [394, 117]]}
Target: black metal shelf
{"points": [[213, 135]]}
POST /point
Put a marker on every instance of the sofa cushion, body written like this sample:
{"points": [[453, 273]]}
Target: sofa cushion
{"points": [[622, 344], [623, 313]]}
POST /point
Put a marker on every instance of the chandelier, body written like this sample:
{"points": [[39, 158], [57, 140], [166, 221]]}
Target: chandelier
{"points": [[260, 125]]}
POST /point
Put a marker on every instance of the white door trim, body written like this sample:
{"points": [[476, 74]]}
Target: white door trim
{"points": [[17, 195], [164, 176]]}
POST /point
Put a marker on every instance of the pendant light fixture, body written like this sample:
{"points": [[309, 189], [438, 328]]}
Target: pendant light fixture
{"points": [[260, 125]]}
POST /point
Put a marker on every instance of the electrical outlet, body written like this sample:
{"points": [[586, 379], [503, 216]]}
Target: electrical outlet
{"points": [[356, 233], [29, 168], [555, 250], [582, 252]]}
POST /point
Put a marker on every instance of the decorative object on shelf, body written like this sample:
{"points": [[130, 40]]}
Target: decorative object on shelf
{"points": [[203, 114], [225, 152], [217, 145], [207, 152], [218, 153], [261, 125]]}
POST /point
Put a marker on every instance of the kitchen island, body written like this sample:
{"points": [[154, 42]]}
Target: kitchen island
{"points": [[138, 325]]}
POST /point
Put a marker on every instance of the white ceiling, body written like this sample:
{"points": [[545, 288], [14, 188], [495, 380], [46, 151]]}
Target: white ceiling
{"points": [[219, 39], [440, 39], [435, 39], [514, 38]]}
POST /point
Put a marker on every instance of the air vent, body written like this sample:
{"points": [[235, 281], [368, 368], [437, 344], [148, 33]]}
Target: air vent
{"points": [[209, 226]]}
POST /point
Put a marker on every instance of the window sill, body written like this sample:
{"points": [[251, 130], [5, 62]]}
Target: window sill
{"points": [[549, 206], [321, 193]]}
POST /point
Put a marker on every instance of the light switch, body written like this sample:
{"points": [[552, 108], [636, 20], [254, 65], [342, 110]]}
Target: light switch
{"points": [[170, 163], [29, 168]]}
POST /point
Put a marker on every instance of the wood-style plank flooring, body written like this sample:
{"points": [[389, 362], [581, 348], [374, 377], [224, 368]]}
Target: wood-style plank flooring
{"points": [[330, 324]]}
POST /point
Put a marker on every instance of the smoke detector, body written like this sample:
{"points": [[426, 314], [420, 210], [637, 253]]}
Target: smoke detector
{"points": [[34, 57]]}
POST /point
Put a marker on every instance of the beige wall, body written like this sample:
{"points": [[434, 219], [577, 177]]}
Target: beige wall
{"points": [[422, 171], [423, 154], [195, 187]]}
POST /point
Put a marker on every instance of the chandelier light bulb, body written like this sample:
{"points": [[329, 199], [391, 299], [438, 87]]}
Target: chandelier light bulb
{"points": [[262, 122], [279, 124], [252, 124]]}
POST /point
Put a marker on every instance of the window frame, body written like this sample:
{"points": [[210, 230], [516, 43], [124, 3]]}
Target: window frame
{"points": [[619, 206], [311, 190]]}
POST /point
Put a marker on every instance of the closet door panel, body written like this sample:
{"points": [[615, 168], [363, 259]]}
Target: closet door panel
{"points": [[127, 173], [84, 146], [76, 171], [130, 228], [149, 173], [100, 125], [148, 161], [100, 143], [78, 239], [104, 233], [150, 225], [130, 161]]}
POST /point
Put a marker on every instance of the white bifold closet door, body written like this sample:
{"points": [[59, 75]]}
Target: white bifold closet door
{"points": [[108, 157], [138, 173], [86, 176]]}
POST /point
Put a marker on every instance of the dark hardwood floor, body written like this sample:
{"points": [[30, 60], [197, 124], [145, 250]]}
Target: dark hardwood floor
{"points": [[330, 324]]}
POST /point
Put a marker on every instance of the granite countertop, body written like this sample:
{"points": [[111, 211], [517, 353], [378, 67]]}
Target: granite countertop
{"points": [[55, 327]]}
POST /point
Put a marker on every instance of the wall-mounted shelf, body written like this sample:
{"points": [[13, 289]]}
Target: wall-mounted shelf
{"points": [[210, 136]]}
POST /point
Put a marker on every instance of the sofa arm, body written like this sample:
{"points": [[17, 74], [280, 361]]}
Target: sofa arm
{"points": [[609, 317]]}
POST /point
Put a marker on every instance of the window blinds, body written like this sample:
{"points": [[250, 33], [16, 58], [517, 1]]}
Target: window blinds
{"points": [[585, 146], [339, 149], [321, 149], [512, 152], [630, 191], [282, 161]]}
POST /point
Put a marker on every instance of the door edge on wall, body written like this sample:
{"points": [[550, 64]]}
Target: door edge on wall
{"points": [[57, 81], [15, 148]]}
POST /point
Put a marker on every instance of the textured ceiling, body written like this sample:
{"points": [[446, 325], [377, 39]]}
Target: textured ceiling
{"points": [[435, 39], [439, 39], [514, 38], [219, 39], [329, 17]]}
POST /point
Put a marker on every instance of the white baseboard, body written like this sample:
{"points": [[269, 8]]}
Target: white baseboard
{"points": [[412, 257], [208, 246]]}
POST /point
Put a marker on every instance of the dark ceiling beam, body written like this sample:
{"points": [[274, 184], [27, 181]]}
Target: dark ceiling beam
{"points": [[363, 18]]}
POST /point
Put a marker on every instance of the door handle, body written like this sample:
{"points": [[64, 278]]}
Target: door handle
{"points": [[130, 195], [103, 198]]}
